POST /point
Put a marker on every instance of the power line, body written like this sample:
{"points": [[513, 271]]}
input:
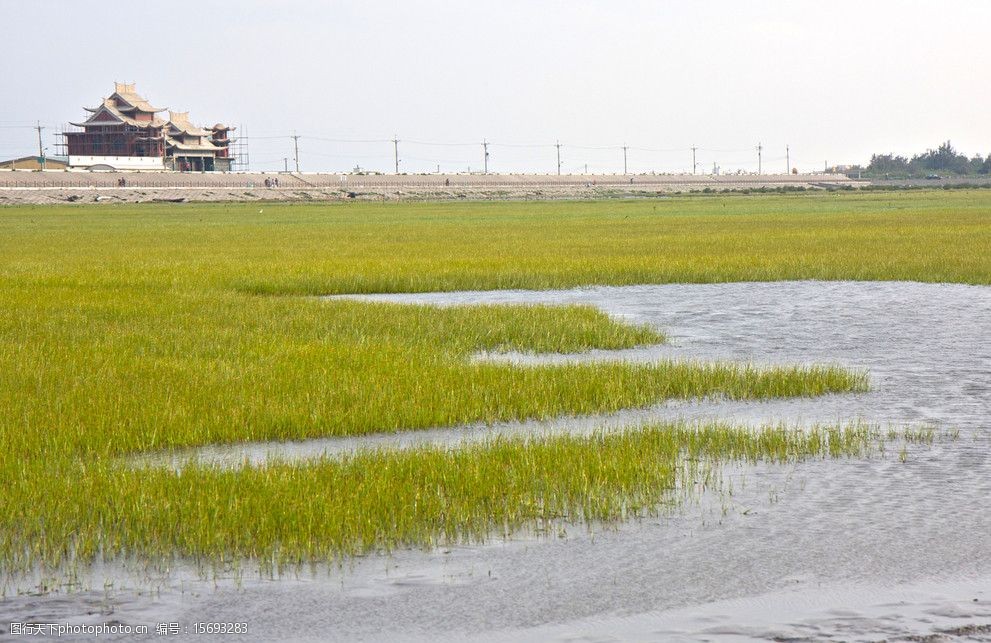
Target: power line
{"points": [[347, 156], [733, 151], [595, 147], [522, 144], [271, 138], [434, 160], [349, 140], [432, 144], [665, 151]]}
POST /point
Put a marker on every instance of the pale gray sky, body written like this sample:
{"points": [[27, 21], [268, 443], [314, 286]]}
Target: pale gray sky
{"points": [[834, 80]]}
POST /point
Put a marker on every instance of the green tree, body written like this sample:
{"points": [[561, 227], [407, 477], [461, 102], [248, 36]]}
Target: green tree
{"points": [[888, 164], [944, 158]]}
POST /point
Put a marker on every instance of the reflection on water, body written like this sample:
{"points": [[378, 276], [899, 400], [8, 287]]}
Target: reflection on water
{"points": [[840, 549]]}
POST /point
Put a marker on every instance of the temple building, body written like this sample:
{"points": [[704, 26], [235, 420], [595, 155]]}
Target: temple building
{"points": [[191, 148], [125, 132]]}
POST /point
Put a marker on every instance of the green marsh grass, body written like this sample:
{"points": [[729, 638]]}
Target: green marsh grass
{"points": [[317, 249], [108, 377], [131, 329], [379, 500]]}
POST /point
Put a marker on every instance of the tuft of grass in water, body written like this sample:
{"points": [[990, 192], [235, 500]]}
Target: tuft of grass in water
{"points": [[380, 500], [99, 376]]}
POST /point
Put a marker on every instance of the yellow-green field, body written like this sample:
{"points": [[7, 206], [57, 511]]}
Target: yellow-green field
{"points": [[129, 329]]}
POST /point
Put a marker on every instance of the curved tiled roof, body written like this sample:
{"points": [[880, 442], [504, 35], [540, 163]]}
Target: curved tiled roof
{"points": [[109, 106], [127, 93], [190, 147], [180, 121]]}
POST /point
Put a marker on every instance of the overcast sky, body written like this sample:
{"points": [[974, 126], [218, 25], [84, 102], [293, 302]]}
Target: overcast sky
{"points": [[834, 80]]}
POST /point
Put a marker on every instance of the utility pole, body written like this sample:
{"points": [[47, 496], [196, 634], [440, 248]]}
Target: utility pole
{"points": [[41, 151], [787, 159], [694, 164], [624, 159], [395, 151], [285, 164], [295, 141], [760, 167], [485, 157], [558, 146]]}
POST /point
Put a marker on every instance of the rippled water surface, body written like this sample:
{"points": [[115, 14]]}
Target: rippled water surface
{"points": [[845, 550]]}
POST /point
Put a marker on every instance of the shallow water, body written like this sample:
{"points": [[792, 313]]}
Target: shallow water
{"points": [[925, 347], [846, 550]]}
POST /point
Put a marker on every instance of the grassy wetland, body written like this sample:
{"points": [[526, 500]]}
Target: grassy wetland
{"points": [[291, 513], [132, 329]]}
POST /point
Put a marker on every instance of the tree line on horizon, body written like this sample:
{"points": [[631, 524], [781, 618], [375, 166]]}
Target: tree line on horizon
{"points": [[942, 160]]}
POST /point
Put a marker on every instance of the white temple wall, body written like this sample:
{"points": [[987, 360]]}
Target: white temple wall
{"points": [[119, 162]]}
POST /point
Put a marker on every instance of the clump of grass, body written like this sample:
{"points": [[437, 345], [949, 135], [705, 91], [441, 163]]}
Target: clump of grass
{"points": [[381, 500], [100, 374]]}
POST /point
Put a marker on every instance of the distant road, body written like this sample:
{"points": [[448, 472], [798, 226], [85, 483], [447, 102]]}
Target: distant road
{"points": [[10, 178], [60, 186], [933, 183]]}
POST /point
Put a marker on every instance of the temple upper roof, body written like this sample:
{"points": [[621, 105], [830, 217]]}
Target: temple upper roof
{"points": [[134, 101], [109, 106], [124, 105]]}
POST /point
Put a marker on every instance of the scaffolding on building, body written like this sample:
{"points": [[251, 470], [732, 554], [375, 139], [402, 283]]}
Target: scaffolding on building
{"points": [[61, 147], [239, 149]]}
